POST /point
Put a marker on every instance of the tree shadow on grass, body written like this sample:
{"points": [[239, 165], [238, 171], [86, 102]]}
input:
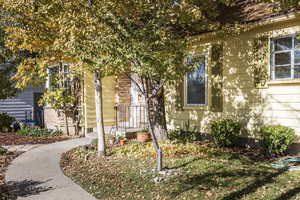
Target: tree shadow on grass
{"points": [[209, 180], [251, 188], [289, 194], [185, 163], [26, 188]]}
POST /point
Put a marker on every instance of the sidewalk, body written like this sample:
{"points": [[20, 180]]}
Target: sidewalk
{"points": [[37, 175]]}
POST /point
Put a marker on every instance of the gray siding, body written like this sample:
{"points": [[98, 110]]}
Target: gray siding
{"points": [[17, 106]]}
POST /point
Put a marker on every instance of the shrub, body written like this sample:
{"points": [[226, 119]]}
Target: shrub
{"points": [[2, 151], [38, 132], [225, 132], [145, 130], [182, 136], [276, 138], [6, 122]]}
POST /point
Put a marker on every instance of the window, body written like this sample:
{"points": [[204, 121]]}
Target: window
{"points": [[285, 58], [58, 77], [196, 83]]}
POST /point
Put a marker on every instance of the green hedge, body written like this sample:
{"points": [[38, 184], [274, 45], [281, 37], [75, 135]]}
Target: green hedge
{"points": [[225, 132], [276, 139]]}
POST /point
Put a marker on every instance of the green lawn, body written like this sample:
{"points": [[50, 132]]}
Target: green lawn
{"points": [[220, 174]]}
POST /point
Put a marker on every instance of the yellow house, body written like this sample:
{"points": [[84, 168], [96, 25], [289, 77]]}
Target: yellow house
{"points": [[253, 76]]}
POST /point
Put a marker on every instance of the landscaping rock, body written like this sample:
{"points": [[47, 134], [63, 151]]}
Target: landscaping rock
{"points": [[158, 179]]}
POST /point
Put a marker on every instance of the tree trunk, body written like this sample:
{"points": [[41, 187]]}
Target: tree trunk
{"points": [[157, 120], [66, 119], [99, 114], [159, 154], [67, 123], [158, 115]]}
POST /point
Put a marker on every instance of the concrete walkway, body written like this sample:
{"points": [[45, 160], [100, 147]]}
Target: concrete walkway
{"points": [[37, 175], [21, 148]]}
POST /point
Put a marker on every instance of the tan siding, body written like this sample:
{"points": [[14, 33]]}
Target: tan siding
{"points": [[109, 85]]}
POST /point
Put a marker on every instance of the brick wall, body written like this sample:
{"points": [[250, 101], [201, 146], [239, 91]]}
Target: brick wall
{"points": [[123, 96], [123, 90]]}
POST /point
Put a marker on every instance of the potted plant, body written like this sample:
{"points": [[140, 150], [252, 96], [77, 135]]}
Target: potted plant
{"points": [[143, 136], [122, 140]]}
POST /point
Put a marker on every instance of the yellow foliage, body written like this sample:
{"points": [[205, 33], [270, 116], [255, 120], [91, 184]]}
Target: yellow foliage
{"points": [[170, 150]]}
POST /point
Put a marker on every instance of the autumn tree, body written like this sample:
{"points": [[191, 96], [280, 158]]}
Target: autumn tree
{"points": [[64, 94], [7, 67], [109, 37], [59, 32]]}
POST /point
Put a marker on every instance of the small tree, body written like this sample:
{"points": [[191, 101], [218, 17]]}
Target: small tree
{"points": [[64, 96], [58, 36]]}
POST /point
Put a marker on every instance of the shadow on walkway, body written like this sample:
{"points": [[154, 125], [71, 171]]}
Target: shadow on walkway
{"points": [[27, 188]]}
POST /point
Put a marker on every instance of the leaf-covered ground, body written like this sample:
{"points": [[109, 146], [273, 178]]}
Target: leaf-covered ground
{"points": [[14, 139], [4, 162], [218, 174]]}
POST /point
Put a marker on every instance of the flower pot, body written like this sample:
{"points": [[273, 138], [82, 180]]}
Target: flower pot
{"points": [[123, 141], [143, 137]]}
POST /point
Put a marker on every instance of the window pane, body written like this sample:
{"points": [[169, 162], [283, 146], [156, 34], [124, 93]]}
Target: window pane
{"points": [[297, 42], [297, 56], [66, 68], [283, 58], [297, 71], [282, 72], [283, 44], [196, 89]]}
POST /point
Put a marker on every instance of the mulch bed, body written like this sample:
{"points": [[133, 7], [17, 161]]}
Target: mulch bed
{"points": [[14, 139]]}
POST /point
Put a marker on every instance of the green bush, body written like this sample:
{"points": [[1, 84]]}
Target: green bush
{"points": [[38, 132], [276, 138], [182, 136], [2, 151], [225, 132], [5, 122]]}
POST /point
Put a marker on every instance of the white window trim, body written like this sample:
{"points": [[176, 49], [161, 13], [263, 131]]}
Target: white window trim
{"points": [[60, 71], [272, 58], [205, 55]]}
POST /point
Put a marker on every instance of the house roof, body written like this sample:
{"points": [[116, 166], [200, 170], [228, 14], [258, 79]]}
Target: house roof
{"points": [[243, 12], [262, 11]]}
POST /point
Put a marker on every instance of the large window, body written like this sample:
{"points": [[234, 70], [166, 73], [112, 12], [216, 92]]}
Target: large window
{"points": [[196, 83], [285, 58], [59, 77]]}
